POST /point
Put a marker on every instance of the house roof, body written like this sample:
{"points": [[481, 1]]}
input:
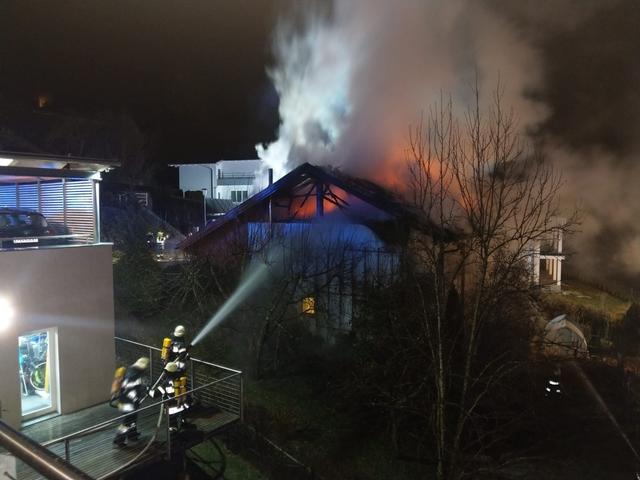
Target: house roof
{"points": [[365, 190], [219, 205]]}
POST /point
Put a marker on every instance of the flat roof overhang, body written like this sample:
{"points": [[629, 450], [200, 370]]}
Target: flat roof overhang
{"points": [[17, 167], [27, 174]]}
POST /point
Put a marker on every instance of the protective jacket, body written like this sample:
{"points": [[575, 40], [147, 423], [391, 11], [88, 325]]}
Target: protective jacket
{"points": [[132, 391], [178, 353]]}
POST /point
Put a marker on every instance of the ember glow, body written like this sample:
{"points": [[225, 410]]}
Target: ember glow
{"points": [[351, 83]]}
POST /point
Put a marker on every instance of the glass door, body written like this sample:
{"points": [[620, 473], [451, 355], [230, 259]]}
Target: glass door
{"points": [[37, 360]]}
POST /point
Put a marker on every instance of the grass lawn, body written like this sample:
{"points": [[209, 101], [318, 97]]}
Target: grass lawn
{"points": [[236, 468], [575, 293], [306, 423]]}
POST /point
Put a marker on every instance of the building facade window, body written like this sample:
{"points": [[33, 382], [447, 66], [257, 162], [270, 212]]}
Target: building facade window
{"points": [[238, 196]]}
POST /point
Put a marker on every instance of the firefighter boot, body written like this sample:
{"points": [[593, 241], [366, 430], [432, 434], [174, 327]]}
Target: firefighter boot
{"points": [[121, 437], [132, 433]]}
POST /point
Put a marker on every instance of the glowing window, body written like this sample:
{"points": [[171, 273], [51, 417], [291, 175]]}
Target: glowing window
{"points": [[43, 101], [309, 305]]}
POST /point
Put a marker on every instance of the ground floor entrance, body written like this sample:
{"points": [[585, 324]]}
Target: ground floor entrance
{"points": [[38, 367]]}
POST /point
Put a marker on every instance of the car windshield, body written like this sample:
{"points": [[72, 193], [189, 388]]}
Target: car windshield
{"points": [[33, 219], [8, 220]]}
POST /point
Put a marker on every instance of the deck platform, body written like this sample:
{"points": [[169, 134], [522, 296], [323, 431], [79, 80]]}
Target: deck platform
{"points": [[95, 454]]}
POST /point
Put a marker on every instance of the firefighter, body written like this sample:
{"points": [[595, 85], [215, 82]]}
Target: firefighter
{"points": [[552, 388], [174, 349], [129, 394], [175, 354], [174, 388]]}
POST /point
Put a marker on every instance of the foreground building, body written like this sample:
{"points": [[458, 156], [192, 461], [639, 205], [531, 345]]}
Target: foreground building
{"points": [[56, 287]]}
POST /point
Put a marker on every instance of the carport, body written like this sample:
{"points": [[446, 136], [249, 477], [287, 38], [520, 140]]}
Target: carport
{"points": [[64, 189]]}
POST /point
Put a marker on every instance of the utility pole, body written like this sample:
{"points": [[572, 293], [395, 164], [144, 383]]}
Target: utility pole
{"points": [[204, 208]]}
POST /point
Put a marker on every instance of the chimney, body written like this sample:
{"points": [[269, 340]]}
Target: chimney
{"points": [[270, 176]]}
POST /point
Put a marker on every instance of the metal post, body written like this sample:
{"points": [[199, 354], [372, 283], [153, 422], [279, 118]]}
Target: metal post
{"points": [[192, 377], [64, 201], [150, 363], [204, 208], [67, 451], [96, 210], [168, 431], [39, 188], [241, 398]]}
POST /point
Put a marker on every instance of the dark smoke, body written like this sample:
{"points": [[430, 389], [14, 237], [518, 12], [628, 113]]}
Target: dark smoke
{"points": [[591, 84], [353, 77]]}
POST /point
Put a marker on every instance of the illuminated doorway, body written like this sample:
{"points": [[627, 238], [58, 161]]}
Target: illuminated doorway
{"points": [[37, 361]]}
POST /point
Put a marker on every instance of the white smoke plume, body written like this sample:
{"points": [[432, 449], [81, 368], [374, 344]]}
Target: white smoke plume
{"points": [[351, 82]]}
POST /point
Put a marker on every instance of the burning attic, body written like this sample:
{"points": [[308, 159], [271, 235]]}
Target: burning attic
{"points": [[336, 233]]}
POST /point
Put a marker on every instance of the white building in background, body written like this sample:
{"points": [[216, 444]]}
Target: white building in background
{"points": [[233, 180], [546, 259]]}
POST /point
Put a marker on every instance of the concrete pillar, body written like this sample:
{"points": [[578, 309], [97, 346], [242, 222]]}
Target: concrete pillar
{"points": [[559, 241], [559, 273]]}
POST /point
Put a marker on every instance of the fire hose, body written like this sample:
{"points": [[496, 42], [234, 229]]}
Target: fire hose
{"points": [[183, 357], [142, 452]]}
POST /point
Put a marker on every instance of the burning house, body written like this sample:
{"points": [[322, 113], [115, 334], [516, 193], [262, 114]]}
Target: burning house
{"points": [[336, 232], [337, 235]]}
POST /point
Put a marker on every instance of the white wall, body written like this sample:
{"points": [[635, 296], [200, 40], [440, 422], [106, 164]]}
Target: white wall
{"points": [[70, 288], [195, 177]]}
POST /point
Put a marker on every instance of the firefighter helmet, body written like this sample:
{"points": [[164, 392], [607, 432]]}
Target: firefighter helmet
{"points": [[142, 363], [171, 367], [179, 331]]}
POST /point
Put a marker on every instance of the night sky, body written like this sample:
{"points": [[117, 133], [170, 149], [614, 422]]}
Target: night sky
{"points": [[190, 73], [193, 74]]}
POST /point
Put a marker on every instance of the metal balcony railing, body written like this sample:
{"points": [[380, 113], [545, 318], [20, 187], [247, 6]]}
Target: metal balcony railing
{"points": [[224, 387], [209, 385]]}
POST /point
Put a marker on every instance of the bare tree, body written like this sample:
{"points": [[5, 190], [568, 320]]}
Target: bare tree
{"points": [[491, 200], [302, 264]]}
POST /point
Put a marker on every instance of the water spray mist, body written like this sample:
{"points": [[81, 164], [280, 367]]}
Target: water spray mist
{"points": [[250, 283]]}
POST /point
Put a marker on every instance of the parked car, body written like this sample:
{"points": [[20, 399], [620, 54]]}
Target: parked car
{"points": [[26, 228]]}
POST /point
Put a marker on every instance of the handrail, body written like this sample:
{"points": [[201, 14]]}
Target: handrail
{"points": [[48, 237], [192, 358], [138, 343], [42, 460], [98, 426]]}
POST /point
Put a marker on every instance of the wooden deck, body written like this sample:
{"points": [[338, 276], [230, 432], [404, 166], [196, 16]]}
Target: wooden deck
{"points": [[95, 453]]}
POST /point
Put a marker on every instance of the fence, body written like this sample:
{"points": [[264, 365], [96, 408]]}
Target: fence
{"points": [[212, 384], [72, 203]]}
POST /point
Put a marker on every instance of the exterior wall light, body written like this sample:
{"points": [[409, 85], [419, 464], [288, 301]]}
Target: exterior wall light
{"points": [[6, 313], [5, 162]]}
